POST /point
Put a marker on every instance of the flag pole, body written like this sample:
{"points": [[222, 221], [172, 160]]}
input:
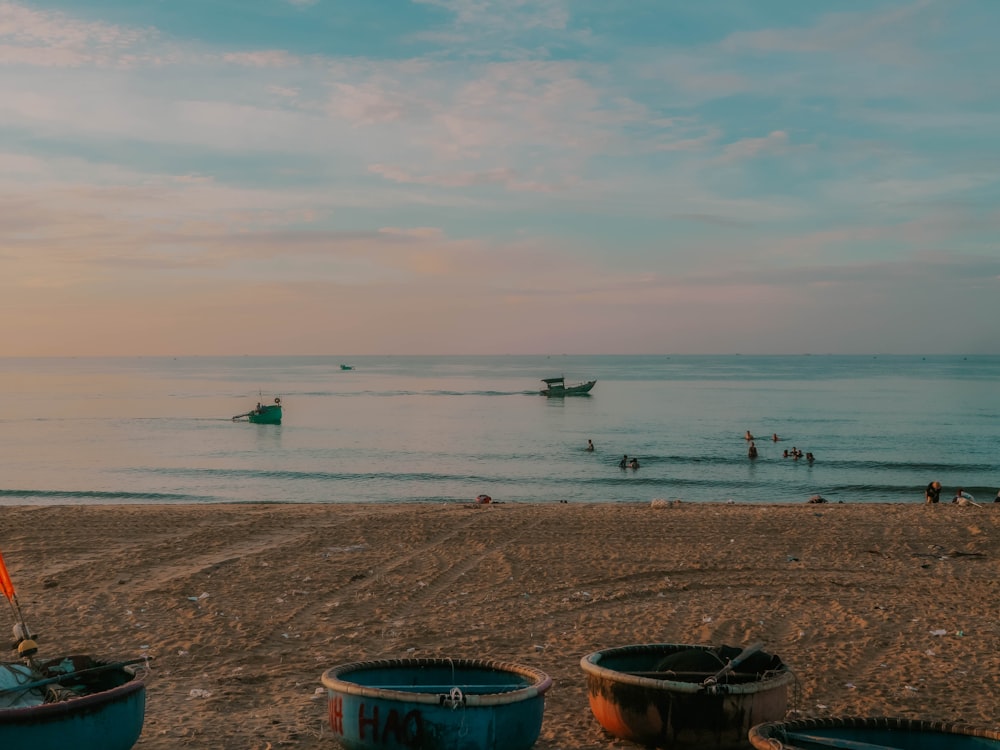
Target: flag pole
{"points": [[26, 645]]}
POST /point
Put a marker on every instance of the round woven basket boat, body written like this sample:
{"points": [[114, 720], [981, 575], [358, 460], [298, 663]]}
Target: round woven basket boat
{"points": [[849, 732]]}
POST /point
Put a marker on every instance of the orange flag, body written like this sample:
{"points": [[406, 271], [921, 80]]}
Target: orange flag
{"points": [[6, 585]]}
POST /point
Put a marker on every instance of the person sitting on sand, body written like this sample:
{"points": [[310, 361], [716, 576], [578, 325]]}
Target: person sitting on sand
{"points": [[590, 446], [997, 498], [623, 464], [933, 493], [961, 496]]}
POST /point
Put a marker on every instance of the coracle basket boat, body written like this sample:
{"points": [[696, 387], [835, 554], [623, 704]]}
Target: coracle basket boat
{"points": [[878, 733], [668, 695], [435, 704], [74, 702]]}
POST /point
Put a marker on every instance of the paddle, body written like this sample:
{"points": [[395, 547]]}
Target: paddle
{"points": [[734, 662], [65, 675]]}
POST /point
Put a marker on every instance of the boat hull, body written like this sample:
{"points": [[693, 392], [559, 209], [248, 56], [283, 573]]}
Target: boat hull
{"points": [[683, 713], [109, 718], [435, 704], [882, 732], [583, 389], [269, 414]]}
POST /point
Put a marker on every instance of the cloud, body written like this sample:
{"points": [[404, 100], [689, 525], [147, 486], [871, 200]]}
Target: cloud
{"points": [[57, 40], [774, 143]]}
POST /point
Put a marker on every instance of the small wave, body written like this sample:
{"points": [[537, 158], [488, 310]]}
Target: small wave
{"points": [[112, 496]]}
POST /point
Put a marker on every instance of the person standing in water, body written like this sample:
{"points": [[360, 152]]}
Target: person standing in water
{"points": [[590, 446]]}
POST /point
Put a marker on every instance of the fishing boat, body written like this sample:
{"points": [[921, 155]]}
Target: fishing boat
{"points": [[880, 733], [72, 701], [263, 413], [557, 388], [665, 695], [435, 704]]}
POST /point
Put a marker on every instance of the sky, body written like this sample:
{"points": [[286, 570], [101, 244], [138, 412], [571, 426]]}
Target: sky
{"points": [[336, 177]]}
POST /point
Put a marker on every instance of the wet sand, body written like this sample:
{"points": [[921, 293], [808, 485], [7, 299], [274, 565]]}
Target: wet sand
{"points": [[880, 610]]}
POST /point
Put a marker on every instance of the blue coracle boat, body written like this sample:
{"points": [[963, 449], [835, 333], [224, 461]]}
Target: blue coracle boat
{"points": [[879, 733], [72, 702], [435, 704]]}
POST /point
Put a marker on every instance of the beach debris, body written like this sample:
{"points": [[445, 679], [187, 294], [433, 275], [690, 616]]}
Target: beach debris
{"points": [[200, 693], [204, 595], [662, 502], [484, 499], [318, 694], [939, 632], [349, 548], [816, 499]]}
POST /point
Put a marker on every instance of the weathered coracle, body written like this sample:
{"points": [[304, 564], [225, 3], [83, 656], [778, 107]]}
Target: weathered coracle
{"points": [[879, 733], [668, 695], [435, 704], [74, 701]]}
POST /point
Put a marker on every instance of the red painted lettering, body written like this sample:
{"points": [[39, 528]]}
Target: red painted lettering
{"points": [[336, 710], [363, 722]]}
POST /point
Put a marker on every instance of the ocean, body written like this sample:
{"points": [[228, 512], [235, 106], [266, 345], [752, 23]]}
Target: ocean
{"points": [[447, 429]]}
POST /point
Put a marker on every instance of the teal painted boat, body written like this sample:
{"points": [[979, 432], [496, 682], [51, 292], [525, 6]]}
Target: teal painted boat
{"points": [[71, 702], [435, 704], [878, 733], [263, 413]]}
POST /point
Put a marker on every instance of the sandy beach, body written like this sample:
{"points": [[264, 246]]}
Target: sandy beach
{"points": [[880, 610]]}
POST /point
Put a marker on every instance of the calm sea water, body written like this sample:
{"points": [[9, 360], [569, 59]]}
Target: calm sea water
{"points": [[449, 428]]}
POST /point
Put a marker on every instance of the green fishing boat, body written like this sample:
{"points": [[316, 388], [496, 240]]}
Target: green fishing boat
{"points": [[263, 413]]}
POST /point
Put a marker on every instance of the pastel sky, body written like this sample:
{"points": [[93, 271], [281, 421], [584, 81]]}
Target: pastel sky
{"points": [[499, 176]]}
